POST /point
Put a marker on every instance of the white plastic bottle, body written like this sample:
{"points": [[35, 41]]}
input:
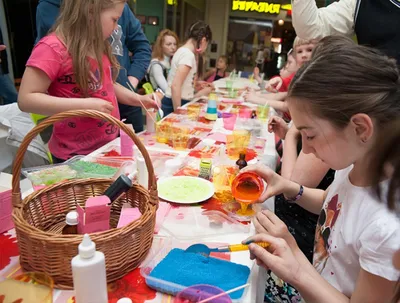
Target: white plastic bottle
{"points": [[89, 273]]}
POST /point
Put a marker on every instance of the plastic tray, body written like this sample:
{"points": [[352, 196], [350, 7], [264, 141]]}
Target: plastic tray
{"points": [[190, 223], [51, 174], [161, 247]]}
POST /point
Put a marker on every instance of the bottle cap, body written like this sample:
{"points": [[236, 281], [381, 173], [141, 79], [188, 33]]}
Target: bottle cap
{"points": [[124, 300], [72, 218], [87, 248]]}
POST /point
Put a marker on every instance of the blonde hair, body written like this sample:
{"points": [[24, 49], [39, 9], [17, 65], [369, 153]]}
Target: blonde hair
{"points": [[157, 49], [299, 42], [79, 27]]}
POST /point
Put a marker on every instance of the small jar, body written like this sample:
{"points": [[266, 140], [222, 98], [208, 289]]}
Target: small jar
{"points": [[247, 187], [71, 227]]}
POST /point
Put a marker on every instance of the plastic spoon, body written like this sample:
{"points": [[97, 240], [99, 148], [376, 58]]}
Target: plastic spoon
{"points": [[205, 250]]}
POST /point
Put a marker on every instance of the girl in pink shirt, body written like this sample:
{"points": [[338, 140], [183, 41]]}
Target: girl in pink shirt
{"points": [[73, 68]]}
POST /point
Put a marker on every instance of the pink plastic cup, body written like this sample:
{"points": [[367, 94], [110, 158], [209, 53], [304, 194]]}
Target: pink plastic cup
{"points": [[198, 293], [229, 121], [126, 144], [245, 113]]}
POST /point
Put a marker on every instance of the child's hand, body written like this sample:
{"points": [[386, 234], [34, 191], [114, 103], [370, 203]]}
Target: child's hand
{"points": [[293, 133], [250, 96], [276, 184], [278, 126], [99, 105], [278, 257], [266, 222], [148, 101], [274, 85]]}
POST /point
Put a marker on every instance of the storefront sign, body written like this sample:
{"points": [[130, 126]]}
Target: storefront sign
{"points": [[261, 7]]}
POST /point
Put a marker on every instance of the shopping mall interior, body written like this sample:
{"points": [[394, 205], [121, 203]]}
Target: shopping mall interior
{"points": [[240, 28]]}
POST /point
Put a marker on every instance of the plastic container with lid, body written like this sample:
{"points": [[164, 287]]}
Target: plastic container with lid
{"points": [[161, 248]]}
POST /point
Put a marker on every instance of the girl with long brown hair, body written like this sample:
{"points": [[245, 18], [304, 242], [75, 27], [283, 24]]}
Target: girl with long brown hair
{"points": [[164, 48], [341, 102], [186, 67], [73, 68]]}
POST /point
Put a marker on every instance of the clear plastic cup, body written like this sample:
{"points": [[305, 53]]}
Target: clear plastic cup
{"points": [[229, 120]]}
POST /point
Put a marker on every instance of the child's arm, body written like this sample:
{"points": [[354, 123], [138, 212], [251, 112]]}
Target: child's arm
{"points": [[209, 73], [176, 88], [289, 265], [256, 73], [302, 169], [309, 170], [126, 96], [33, 97], [289, 156]]}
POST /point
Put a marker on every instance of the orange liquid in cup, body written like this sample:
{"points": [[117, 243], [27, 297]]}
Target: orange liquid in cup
{"points": [[246, 189]]}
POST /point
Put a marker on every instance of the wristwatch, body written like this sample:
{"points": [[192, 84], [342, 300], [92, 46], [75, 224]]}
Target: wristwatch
{"points": [[298, 196]]}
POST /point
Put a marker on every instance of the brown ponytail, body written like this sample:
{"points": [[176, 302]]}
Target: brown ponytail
{"points": [[197, 31]]}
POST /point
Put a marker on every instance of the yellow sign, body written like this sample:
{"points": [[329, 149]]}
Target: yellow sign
{"points": [[172, 2], [261, 7]]}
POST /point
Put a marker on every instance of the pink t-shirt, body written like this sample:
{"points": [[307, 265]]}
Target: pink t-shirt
{"points": [[75, 136]]}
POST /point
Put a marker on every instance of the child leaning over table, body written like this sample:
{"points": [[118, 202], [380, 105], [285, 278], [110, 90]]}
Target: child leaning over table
{"points": [[279, 86], [72, 69], [356, 235]]}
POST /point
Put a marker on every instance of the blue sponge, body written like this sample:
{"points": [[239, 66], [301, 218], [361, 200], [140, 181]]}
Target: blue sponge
{"points": [[188, 269]]}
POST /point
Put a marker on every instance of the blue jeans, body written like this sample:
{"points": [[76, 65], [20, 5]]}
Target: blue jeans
{"points": [[167, 106], [7, 90]]}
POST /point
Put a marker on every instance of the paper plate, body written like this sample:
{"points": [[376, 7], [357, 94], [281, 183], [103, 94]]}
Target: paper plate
{"points": [[185, 190]]}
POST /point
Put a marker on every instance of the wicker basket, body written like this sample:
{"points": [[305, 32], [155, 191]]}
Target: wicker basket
{"points": [[39, 217]]}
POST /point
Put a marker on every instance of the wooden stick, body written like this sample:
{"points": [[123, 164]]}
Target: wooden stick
{"points": [[224, 293], [147, 111]]}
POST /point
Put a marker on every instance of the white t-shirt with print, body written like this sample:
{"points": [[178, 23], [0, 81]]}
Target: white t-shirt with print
{"points": [[183, 56], [354, 231]]}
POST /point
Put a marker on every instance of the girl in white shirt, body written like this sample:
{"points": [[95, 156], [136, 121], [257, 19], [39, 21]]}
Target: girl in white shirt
{"points": [[186, 66], [340, 101], [164, 48]]}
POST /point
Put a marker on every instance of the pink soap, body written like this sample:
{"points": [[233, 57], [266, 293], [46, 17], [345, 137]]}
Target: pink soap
{"points": [[162, 212], [128, 215]]}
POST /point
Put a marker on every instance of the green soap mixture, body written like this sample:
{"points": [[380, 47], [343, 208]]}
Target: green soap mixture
{"points": [[183, 190], [89, 168]]}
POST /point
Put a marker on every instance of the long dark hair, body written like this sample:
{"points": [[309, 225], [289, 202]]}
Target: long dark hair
{"points": [[197, 31]]}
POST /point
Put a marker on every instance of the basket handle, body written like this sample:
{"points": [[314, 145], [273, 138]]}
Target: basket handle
{"points": [[16, 189]]}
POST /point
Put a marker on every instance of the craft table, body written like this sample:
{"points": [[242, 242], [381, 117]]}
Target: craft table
{"points": [[133, 284]]}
